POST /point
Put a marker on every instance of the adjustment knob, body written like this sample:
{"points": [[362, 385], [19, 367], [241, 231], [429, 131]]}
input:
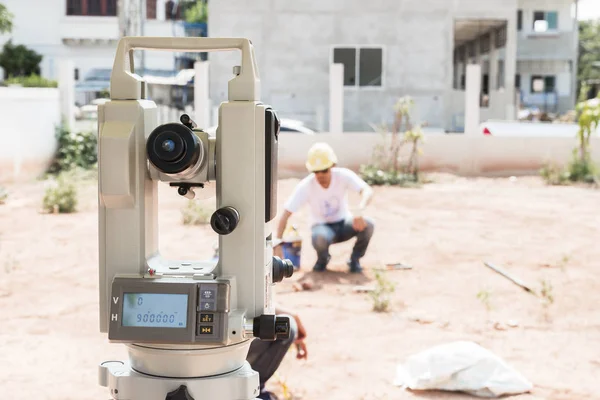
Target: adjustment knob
{"points": [[225, 220], [282, 269], [270, 327], [181, 393]]}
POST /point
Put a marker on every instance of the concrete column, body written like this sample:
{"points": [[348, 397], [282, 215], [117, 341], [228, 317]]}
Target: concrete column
{"points": [[336, 98], [66, 85], [160, 10], [472, 100], [493, 66], [201, 98], [510, 68]]}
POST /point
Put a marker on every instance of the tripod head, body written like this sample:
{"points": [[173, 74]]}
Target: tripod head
{"points": [[185, 320]]}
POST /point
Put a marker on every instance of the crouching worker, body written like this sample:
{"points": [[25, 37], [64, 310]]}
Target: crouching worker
{"points": [[266, 356], [325, 191]]}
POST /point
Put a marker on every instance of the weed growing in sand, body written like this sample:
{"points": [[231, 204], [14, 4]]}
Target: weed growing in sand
{"points": [[485, 297], [546, 293], [196, 213], [564, 261], [546, 297], [3, 195], [382, 292]]}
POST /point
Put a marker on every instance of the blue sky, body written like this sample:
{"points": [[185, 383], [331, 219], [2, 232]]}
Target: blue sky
{"points": [[589, 9]]}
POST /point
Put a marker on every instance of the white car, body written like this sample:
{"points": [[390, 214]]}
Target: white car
{"points": [[286, 125]]}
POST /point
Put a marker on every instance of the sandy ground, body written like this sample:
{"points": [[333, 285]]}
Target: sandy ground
{"points": [[50, 344]]}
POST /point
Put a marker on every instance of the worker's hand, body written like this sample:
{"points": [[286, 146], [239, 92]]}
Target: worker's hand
{"points": [[301, 352], [359, 224]]}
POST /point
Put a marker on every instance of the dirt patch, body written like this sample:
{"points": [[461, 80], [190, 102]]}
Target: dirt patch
{"points": [[49, 290]]}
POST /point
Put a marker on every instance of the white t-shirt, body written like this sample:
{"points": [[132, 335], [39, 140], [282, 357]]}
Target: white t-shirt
{"points": [[326, 205]]}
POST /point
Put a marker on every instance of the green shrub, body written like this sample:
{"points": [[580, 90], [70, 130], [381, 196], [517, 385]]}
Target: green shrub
{"points": [[377, 177], [554, 175], [196, 213], [32, 81], [582, 170], [196, 12], [60, 195], [75, 150]]}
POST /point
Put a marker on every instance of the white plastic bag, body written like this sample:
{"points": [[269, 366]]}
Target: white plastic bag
{"points": [[461, 366]]}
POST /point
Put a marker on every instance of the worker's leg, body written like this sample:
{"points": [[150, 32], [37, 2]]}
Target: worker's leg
{"points": [[322, 237], [265, 357], [363, 238]]}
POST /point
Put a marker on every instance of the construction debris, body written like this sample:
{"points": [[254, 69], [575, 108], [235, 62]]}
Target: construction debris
{"points": [[511, 278]]}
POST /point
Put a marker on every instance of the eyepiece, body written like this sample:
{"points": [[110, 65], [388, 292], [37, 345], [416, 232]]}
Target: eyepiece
{"points": [[173, 148]]}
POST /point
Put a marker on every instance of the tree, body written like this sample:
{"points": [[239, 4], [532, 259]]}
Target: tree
{"points": [[197, 12], [19, 60], [5, 20], [589, 52]]}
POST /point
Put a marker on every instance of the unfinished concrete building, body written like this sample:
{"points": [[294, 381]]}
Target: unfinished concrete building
{"points": [[394, 48]]}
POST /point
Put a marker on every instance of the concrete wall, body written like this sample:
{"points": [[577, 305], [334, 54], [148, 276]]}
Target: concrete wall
{"points": [[44, 26], [27, 131], [467, 155], [294, 41]]}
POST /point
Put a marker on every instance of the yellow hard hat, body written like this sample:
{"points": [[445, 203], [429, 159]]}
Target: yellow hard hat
{"points": [[320, 157]]}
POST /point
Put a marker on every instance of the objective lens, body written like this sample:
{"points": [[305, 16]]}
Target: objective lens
{"points": [[168, 145], [173, 148]]}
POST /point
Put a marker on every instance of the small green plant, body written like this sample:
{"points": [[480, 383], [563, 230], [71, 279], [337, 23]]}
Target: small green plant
{"points": [[546, 297], [381, 294], [546, 293], [60, 195], [3, 195], [32, 81], [564, 261], [75, 150], [554, 175], [196, 213], [485, 297]]}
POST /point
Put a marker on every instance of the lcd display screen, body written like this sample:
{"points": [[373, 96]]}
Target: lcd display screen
{"points": [[155, 310]]}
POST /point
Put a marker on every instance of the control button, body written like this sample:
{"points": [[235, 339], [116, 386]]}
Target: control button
{"points": [[207, 294], [209, 305], [205, 330], [207, 317]]}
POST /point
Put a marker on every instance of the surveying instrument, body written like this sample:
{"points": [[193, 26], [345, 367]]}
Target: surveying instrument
{"points": [[187, 324]]}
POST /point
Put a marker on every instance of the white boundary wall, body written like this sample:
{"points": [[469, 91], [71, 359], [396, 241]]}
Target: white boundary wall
{"points": [[28, 118], [458, 154]]}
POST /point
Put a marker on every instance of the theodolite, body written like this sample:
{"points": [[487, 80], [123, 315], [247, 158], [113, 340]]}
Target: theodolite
{"points": [[187, 324]]}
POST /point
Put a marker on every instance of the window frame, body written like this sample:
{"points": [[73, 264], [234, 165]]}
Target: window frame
{"points": [[543, 78], [357, 48], [545, 13], [84, 9]]}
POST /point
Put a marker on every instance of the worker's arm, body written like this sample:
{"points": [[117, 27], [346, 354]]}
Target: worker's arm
{"points": [[282, 224], [366, 194]]}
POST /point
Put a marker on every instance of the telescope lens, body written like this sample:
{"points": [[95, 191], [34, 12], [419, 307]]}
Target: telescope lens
{"points": [[173, 148], [168, 145]]}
